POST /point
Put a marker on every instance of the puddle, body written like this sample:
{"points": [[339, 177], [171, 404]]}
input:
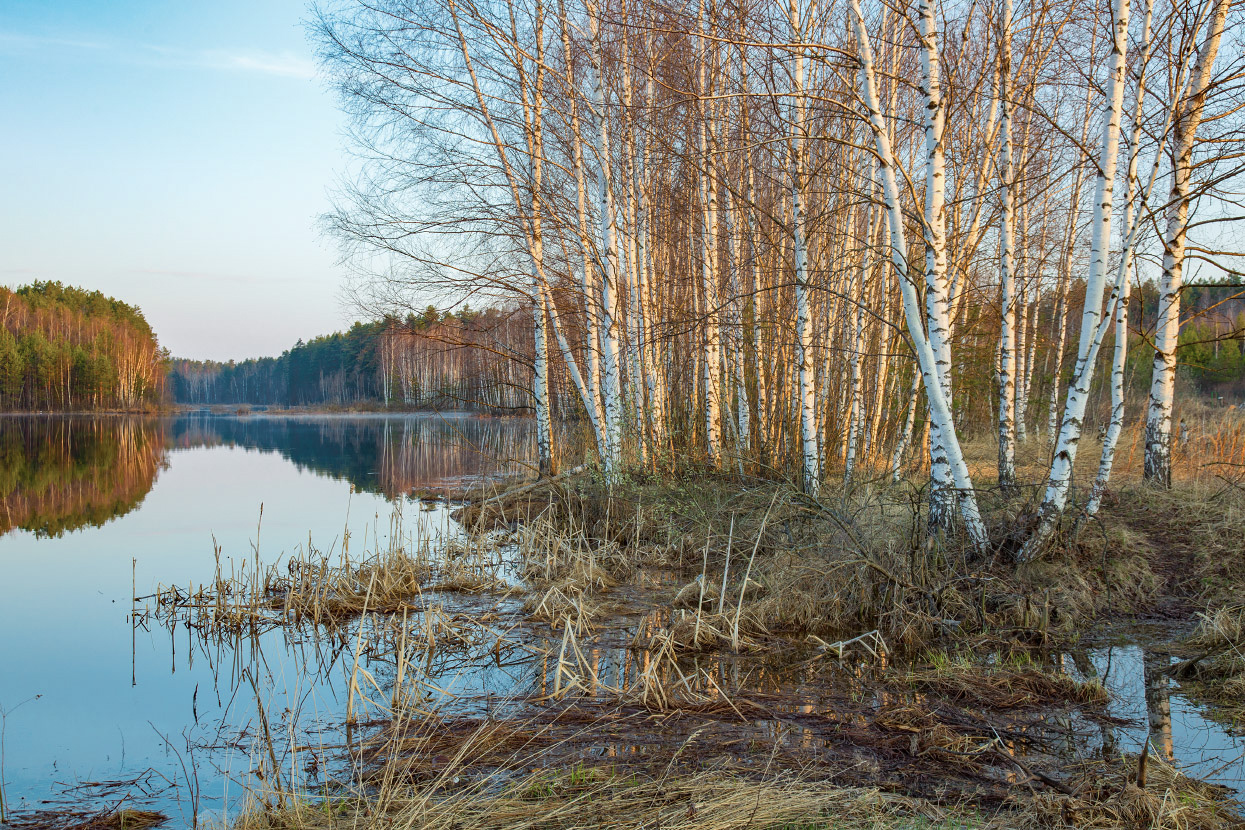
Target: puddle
{"points": [[1178, 729]]}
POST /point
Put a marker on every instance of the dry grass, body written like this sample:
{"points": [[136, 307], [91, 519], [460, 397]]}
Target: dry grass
{"points": [[767, 562], [432, 775], [564, 571], [325, 588], [590, 799], [1217, 672], [111, 819], [127, 820], [967, 681], [1112, 798]]}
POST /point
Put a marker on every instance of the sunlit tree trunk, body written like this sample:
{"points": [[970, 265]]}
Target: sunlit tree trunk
{"points": [[611, 375], [1131, 197], [1059, 480], [588, 287], [942, 495], [805, 390], [710, 363], [940, 410], [1007, 267], [1158, 457]]}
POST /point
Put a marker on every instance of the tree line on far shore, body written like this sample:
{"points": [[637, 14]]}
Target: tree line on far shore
{"points": [[64, 348], [68, 349], [430, 359], [482, 360]]}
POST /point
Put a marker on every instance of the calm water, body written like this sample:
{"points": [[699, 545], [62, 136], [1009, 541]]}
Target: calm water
{"points": [[1178, 729], [94, 508], [99, 707]]}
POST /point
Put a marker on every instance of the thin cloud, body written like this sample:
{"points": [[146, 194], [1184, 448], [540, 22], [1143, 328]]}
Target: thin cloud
{"points": [[290, 66], [280, 64], [15, 40]]}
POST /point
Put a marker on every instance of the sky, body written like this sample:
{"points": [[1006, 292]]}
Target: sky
{"points": [[177, 156]]}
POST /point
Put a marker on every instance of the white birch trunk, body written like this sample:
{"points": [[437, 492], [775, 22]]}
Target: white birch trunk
{"points": [[1059, 479], [611, 379], [1131, 196], [1158, 456], [805, 390], [940, 410], [942, 497], [1007, 267], [709, 253]]}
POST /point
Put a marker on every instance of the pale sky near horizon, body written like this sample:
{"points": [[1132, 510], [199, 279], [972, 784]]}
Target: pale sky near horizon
{"points": [[175, 155]]}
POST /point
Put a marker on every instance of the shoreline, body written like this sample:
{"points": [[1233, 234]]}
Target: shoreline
{"points": [[246, 411]]}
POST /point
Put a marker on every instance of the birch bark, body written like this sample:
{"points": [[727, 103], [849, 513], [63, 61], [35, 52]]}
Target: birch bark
{"points": [[1059, 479], [940, 410], [1158, 457], [1007, 272]]}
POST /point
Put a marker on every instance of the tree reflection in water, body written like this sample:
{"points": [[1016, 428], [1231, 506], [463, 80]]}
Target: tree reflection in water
{"points": [[1158, 703], [59, 474]]}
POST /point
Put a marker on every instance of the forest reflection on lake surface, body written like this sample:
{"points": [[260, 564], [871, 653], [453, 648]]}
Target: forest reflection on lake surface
{"points": [[95, 508], [63, 473]]}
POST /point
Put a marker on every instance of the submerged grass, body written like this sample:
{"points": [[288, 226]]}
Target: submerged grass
{"points": [[589, 798], [1001, 685], [111, 819], [1217, 671]]}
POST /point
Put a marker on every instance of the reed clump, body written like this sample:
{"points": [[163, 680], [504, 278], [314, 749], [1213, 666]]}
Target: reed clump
{"points": [[564, 572], [595, 800], [326, 587], [125, 818], [1217, 671], [1131, 792]]}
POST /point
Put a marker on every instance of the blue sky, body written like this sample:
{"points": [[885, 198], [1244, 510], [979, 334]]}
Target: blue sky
{"points": [[175, 155]]}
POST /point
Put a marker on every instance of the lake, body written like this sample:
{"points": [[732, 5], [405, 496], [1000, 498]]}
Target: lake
{"points": [[104, 703], [97, 510]]}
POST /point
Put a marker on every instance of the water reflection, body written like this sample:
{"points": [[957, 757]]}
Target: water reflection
{"points": [[391, 456], [118, 706], [1158, 703], [62, 473], [1149, 708]]}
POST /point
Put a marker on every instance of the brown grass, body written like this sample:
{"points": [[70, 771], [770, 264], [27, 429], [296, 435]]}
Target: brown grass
{"points": [[1111, 798], [74, 819], [323, 588], [591, 800], [766, 561], [1217, 672], [966, 681]]}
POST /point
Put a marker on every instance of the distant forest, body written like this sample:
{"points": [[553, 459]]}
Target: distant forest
{"points": [[482, 360], [461, 360], [65, 348]]}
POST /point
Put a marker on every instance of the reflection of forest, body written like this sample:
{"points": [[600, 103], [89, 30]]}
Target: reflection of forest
{"points": [[61, 473], [390, 456], [58, 474]]}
